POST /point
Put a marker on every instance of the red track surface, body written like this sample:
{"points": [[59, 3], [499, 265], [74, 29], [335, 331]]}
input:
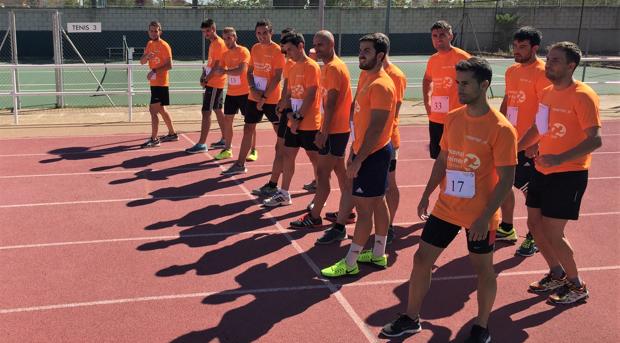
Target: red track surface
{"points": [[102, 241]]}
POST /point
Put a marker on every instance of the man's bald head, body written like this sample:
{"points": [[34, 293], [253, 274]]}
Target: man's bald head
{"points": [[323, 42]]}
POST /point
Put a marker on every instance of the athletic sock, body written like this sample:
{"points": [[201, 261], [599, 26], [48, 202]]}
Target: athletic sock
{"points": [[378, 250], [354, 251], [339, 227], [506, 226]]}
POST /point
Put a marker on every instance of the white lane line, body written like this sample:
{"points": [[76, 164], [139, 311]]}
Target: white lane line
{"points": [[94, 152], [197, 196], [333, 289], [132, 239], [271, 290]]}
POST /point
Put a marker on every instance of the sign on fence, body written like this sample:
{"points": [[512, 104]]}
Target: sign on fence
{"points": [[83, 27]]}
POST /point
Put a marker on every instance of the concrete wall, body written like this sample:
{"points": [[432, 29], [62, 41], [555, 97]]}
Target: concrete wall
{"points": [[408, 27]]}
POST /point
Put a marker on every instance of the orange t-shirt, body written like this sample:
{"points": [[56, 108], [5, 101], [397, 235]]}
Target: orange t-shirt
{"points": [[335, 76], [217, 48], [474, 145], [375, 93], [400, 84], [265, 59], [163, 53], [444, 94], [524, 85], [571, 111], [301, 76], [237, 84]]}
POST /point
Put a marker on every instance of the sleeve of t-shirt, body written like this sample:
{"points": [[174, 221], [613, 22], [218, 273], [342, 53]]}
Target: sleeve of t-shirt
{"points": [[218, 52], [587, 109], [540, 85], [401, 88], [507, 77], [505, 146], [278, 61], [332, 79], [246, 56], [312, 76], [428, 73], [381, 97], [251, 63], [168, 52]]}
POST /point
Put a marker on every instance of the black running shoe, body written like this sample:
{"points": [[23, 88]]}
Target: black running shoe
{"points": [[479, 334], [401, 326], [331, 235]]}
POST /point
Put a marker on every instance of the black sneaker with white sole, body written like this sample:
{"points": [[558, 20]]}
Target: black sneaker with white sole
{"points": [[401, 326], [478, 334]]}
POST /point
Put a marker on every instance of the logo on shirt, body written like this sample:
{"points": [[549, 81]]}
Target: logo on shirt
{"points": [[266, 67], [471, 162], [557, 130], [447, 82], [521, 96], [357, 106], [297, 91]]}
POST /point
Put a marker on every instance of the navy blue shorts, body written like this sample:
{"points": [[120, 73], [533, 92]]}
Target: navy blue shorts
{"points": [[372, 178], [335, 145]]}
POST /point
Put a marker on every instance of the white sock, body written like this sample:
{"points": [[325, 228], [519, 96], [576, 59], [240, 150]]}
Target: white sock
{"points": [[354, 251], [378, 250]]}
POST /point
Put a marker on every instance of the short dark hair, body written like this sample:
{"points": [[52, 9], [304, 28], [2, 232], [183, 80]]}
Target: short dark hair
{"points": [[287, 30], [571, 50], [156, 24], [380, 42], [477, 65], [207, 23], [294, 38], [441, 25], [264, 22], [528, 33]]}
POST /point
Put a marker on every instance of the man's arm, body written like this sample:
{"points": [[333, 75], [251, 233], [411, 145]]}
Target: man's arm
{"points": [[504, 106], [215, 66], [480, 228], [329, 107], [378, 121], [273, 82], [308, 101], [241, 68], [592, 142], [426, 93], [437, 174]]}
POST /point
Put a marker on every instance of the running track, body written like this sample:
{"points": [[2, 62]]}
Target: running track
{"points": [[102, 241]]}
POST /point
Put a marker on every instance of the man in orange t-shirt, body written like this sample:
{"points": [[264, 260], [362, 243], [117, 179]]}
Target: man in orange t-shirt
{"points": [[337, 232], [439, 86], [568, 130], [333, 136], [234, 66], [159, 57], [525, 81], [369, 158], [303, 111], [475, 170], [213, 81], [264, 74]]}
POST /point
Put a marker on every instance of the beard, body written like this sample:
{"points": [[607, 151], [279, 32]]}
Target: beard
{"points": [[370, 63]]}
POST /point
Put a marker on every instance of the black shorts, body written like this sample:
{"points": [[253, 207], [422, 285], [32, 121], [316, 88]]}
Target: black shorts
{"points": [[235, 103], [524, 171], [213, 99], [558, 195], [440, 233], [303, 139], [335, 145], [393, 161], [254, 116], [435, 131], [282, 125], [160, 94], [372, 178]]}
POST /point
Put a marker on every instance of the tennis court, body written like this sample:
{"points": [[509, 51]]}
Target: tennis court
{"points": [[604, 80]]}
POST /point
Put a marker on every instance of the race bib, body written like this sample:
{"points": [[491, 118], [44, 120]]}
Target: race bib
{"points": [[296, 104], [206, 71], [440, 104], [460, 184], [260, 83], [512, 113], [153, 76], [542, 119], [234, 80]]}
